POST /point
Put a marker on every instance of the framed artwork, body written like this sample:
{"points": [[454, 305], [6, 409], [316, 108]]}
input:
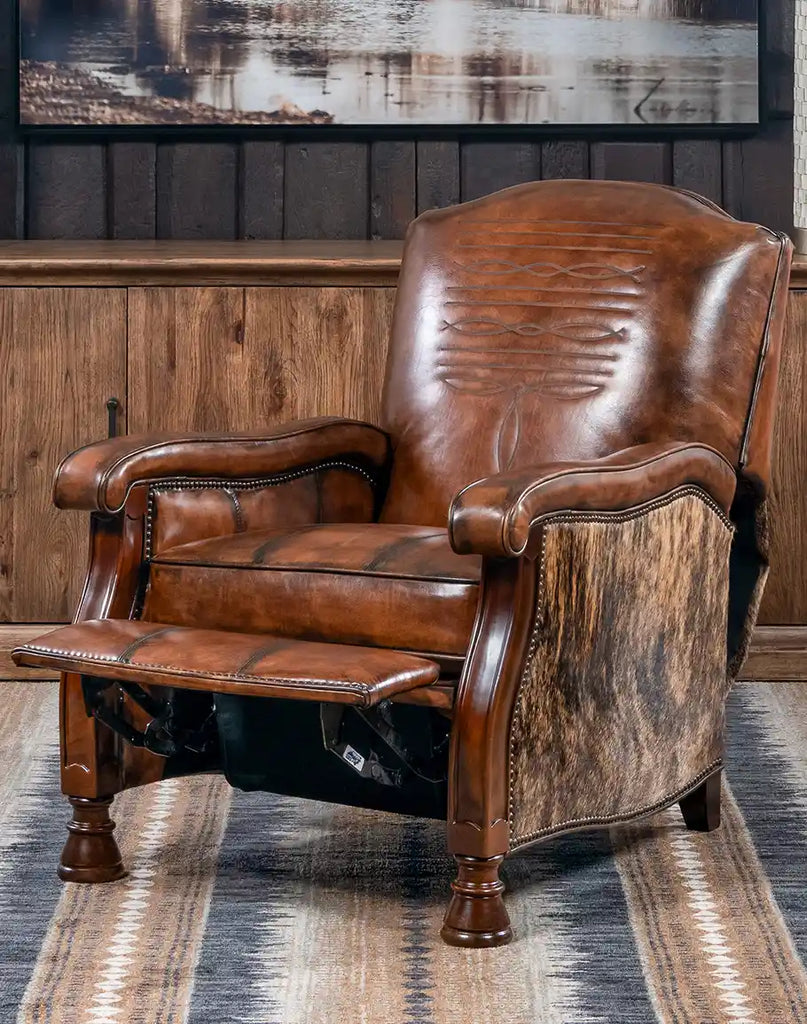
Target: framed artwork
{"points": [[648, 65]]}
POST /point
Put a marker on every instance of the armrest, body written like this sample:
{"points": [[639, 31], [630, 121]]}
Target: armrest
{"points": [[99, 476], [496, 516]]}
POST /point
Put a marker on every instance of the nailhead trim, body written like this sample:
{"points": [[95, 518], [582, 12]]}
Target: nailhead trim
{"points": [[593, 517], [569, 516], [109, 659], [235, 484], [608, 819]]}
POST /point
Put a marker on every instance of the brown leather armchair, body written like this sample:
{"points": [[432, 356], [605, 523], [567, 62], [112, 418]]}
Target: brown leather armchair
{"points": [[518, 607]]}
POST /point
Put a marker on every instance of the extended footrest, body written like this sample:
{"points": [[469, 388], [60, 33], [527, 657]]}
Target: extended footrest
{"points": [[156, 654]]}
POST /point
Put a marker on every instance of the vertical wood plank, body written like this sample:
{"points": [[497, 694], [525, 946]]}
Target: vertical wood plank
{"points": [[189, 365], [785, 599], [261, 187], [632, 161], [438, 174], [289, 329], [565, 159], [11, 426], [378, 309], [489, 166], [327, 190], [393, 202], [65, 350], [8, 67], [698, 166], [758, 176], [779, 32], [11, 151], [132, 176], [12, 190], [66, 191], [196, 190]]}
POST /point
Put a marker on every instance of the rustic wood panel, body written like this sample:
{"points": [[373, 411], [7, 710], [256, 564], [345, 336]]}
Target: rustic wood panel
{"points": [[132, 173], [632, 161], [393, 188], [197, 186], [489, 166], [189, 366], [438, 174], [327, 190], [235, 359], [785, 599], [66, 190], [758, 176], [698, 166], [318, 351], [568, 158], [65, 351], [263, 166]]}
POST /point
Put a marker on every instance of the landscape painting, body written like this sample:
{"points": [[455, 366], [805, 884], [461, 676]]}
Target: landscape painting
{"points": [[646, 63]]}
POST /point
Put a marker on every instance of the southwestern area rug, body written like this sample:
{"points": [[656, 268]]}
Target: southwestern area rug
{"points": [[254, 909]]}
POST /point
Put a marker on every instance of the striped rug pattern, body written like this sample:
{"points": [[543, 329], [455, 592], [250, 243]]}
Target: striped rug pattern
{"points": [[255, 909]]}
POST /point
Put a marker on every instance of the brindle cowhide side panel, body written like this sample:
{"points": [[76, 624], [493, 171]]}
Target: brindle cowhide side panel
{"points": [[620, 707]]}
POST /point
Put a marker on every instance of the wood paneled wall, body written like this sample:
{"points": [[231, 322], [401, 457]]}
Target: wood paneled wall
{"points": [[250, 187]]}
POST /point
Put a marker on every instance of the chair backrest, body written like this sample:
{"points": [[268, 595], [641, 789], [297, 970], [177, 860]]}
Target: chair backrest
{"points": [[570, 319]]}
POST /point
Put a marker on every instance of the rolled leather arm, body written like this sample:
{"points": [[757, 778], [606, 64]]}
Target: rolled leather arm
{"points": [[99, 476], [496, 516]]}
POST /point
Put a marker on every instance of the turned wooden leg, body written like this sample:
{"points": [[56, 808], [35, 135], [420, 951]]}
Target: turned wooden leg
{"points": [[476, 916], [91, 853], [701, 807]]}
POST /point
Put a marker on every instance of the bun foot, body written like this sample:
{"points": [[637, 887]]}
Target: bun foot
{"points": [[476, 917], [701, 807], [91, 853]]}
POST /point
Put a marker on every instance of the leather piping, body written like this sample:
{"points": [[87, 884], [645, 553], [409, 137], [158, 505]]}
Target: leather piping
{"points": [[233, 483], [763, 350], [191, 440], [507, 521], [109, 659]]}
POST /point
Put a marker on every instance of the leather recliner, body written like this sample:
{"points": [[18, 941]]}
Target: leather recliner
{"points": [[519, 606]]}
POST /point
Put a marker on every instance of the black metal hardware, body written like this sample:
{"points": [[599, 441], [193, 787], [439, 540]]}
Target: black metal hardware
{"points": [[369, 764], [163, 735], [112, 406]]}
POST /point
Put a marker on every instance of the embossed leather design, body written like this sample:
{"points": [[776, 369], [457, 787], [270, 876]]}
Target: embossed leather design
{"points": [[196, 659], [566, 320], [375, 584]]}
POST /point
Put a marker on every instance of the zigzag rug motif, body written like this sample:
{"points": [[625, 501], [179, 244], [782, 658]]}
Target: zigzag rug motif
{"points": [[256, 909]]}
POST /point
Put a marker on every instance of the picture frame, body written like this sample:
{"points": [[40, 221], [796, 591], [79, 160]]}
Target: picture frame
{"points": [[649, 128]]}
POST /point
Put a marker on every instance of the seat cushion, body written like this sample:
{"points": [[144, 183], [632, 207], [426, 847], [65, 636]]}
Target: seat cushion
{"points": [[374, 584]]}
